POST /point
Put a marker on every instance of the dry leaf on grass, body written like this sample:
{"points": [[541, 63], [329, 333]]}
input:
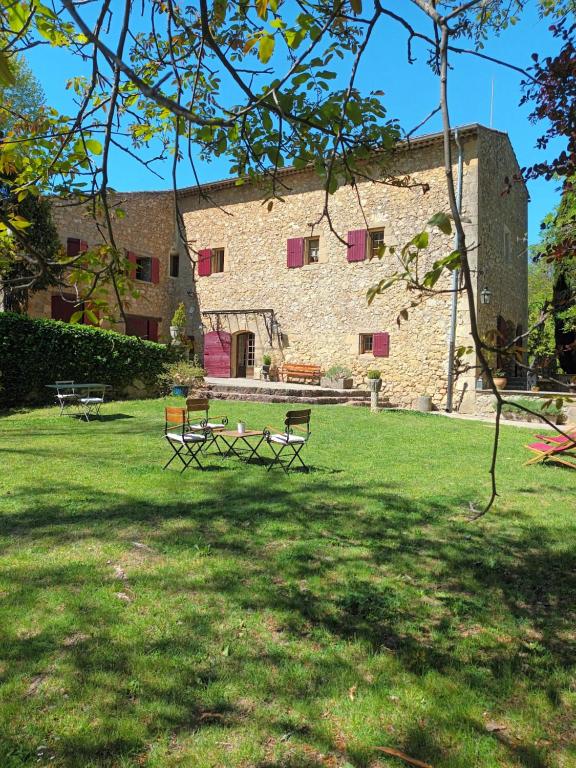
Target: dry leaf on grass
{"points": [[492, 726], [352, 692], [403, 756]]}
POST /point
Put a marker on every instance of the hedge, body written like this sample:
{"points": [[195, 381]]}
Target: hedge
{"points": [[34, 353]]}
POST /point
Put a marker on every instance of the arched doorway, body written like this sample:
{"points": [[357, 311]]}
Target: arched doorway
{"points": [[245, 344]]}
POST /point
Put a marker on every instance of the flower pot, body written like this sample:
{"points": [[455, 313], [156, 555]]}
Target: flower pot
{"points": [[175, 332], [180, 390], [424, 403], [374, 385], [500, 382], [265, 371], [344, 383]]}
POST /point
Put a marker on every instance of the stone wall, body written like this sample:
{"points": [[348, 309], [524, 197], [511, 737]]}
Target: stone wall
{"points": [[322, 308], [148, 230]]}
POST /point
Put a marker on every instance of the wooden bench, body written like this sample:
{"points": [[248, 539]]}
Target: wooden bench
{"points": [[303, 372]]}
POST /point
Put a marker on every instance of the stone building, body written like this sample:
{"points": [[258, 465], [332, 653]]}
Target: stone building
{"points": [[278, 280]]}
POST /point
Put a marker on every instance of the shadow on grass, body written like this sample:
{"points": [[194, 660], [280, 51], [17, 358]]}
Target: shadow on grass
{"points": [[334, 565]]}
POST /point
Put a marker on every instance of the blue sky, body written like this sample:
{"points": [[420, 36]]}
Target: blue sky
{"points": [[411, 92]]}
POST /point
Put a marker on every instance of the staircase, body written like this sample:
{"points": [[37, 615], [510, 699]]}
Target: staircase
{"points": [[517, 383], [302, 395]]}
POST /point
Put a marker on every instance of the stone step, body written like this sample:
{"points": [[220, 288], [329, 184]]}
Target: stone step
{"points": [[281, 397], [305, 392]]}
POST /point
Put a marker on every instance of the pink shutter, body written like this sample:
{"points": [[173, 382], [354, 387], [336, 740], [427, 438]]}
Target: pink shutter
{"points": [[381, 345], [205, 262], [73, 246], [152, 330], [295, 252], [217, 353], [357, 244], [155, 270], [132, 259]]}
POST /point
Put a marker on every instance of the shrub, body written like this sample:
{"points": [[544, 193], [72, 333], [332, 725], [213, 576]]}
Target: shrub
{"points": [[179, 316], [182, 373], [266, 360], [373, 375], [338, 372], [34, 353], [552, 409]]}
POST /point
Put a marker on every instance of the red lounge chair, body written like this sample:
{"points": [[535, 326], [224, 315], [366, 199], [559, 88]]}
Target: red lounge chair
{"points": [[557, 454], [560, 439]]}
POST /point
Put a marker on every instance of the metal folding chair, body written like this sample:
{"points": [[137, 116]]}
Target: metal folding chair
{"points": [[288, 441], [185, 443], [65, 396], [200, 405], [91, 402]]}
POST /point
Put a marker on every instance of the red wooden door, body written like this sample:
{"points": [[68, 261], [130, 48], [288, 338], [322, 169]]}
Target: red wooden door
{"points": [[217, 353]]}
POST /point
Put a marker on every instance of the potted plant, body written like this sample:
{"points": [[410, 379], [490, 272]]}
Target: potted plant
{"points": [[181, 376], [374, 381], [178, 322], [266, 363], [500, 378], [337, 377]]}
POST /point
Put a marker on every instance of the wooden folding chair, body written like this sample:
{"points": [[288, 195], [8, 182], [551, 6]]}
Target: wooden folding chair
{"points": [[288, 441], [201, 405], [564, 453], [185, 443]]}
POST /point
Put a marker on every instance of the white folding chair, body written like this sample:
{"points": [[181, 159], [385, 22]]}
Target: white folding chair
{"points": [[185, 443], [91, 402], [288, 441], [65, 395]]}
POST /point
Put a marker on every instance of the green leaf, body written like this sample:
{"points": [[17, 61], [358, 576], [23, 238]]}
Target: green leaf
{"points": [[94, 146], [266, 48], [420, 240], [442, 221], [356, 6], [77, 316], [6, 76]]}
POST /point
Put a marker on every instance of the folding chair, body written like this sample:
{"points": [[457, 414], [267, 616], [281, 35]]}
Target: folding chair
{"points": [[91, 402], [65, 396], [287, 440], [181, 439], [202, 404], [564, 454]]}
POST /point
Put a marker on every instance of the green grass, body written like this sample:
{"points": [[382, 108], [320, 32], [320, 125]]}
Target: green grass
{"points": [[235, 617]]}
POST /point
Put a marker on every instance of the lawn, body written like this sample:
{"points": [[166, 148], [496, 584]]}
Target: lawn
{"points": [[235, 617]]}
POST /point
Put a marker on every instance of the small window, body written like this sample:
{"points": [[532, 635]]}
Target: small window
{"points": [[217, 260], [312, 253], [507, 244], [376, 242], [174, 264], [366, 343], [144, 269]]}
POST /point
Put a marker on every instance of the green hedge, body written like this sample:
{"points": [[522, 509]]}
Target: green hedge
{"points": [[34, 353]]}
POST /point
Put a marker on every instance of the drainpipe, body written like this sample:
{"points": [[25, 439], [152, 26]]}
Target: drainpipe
{"points": [[455, 279]]}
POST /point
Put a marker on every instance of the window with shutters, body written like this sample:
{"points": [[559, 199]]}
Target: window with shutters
{"points": [[376, 242], [312, 250], [144, 269], [217, 260], [366, 343], [174, 264], [74, 246], [143, 327]]}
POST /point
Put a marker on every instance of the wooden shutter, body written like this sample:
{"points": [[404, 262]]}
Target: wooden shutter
{"points": [[381, 345], [131, 256], [152, 329], [83, 246], [155, 271], [357, 244], [136, 325], [205, 262], [73, 246], [217, 353], [295, 252]]}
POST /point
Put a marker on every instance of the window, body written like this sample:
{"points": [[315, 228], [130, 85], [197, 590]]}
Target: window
{"points": [[366, 343], [312, 250], [376, 242], [174, 264], [144, 269], [143, 327], [74, 246], [64, 306], [507, 244], [217, 260]]}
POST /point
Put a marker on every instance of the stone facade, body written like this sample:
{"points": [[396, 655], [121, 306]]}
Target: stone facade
{"points": [[321, 307]]}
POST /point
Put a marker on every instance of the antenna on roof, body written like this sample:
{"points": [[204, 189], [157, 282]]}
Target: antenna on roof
{"points": [[492, 103]]}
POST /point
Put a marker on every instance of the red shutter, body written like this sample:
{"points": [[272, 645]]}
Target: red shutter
{"points": [[205, 262], [295, 252], [136, 325], [217, 353], [83, 246], [155, 270], [152, 330], [132, 259], [381, 345], [357, 244], [73, 246]]}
